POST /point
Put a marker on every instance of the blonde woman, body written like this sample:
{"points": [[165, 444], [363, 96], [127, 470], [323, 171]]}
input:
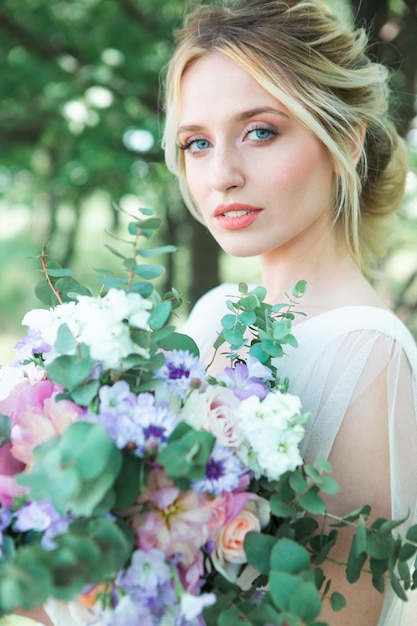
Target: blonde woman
{"points": [[277, 128]]}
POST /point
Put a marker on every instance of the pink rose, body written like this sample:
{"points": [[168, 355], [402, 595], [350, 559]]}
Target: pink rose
{"points": [[214, 410], [229, 554], [39, 421]]}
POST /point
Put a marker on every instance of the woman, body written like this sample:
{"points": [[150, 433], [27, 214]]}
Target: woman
{"points": [[277, 128]]}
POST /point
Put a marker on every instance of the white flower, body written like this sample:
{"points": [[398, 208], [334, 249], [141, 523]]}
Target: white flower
{"points": [[192, 606], [103, 324], [272, 429]]}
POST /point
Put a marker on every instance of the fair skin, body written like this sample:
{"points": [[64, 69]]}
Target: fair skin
{"points": [[264, 184]]}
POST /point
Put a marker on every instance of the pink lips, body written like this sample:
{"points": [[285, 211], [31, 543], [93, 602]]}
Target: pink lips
{"points": [[236, 216]]}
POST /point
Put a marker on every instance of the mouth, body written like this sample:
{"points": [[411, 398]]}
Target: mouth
{"points": [[236, 216]]}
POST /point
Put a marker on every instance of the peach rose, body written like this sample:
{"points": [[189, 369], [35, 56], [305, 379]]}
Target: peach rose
{"points": [[229, 554]]}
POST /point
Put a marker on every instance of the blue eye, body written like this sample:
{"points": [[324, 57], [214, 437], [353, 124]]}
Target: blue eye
{"points": [[196, 145], [260, 134], [200, 144]]}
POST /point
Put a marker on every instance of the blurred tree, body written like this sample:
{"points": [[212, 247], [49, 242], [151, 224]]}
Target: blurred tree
{"points": [[80, 111], [392, 25]]}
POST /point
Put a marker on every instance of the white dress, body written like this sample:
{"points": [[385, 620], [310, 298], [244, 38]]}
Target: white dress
{"points": [[340, 354]]}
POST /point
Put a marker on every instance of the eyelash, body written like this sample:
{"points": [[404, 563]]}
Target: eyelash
{"points": [[273, 133]]}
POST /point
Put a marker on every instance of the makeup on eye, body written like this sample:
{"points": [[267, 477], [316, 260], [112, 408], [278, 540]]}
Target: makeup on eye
{"points": [[261, 132]]}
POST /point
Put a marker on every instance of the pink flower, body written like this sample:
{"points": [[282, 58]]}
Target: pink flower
{"points": [[229, 554], [176, 522], [13, 380], [38, 416], [214, 410], [9, 467]]}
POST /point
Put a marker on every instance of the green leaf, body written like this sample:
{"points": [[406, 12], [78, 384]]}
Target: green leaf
{"points": [[297, 482], [179, 341], [306, 601], [85, 393], [44, 293], [76, 470], [70, 288], [131, 479], [311, 502], [282, 586], [289, 556], [114, 251], [228, 321], [71, 370], [65, 342], [378, 546], [354, 567], [156, 251], [58, 272], [397, 587], [247, 318], [280, 508], [159, 315], [378, 568], [258, 548], [148, 272], [5, 426], [337, 601], [186, 456]]}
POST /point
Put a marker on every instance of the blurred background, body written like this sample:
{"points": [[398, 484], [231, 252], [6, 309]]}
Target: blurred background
{"points": [[80, 130]]}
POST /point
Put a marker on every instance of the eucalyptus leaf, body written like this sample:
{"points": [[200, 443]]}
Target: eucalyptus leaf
{"points": [[337, 601], [258, 548], [289, 556], [5, 426]]}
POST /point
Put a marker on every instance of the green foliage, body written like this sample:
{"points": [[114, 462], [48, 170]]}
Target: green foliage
{"points": [[73, 474], [261, 328], [90, 552]]}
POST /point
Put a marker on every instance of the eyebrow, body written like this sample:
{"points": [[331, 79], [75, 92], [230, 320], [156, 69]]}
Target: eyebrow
{"points": [[239, 117]]}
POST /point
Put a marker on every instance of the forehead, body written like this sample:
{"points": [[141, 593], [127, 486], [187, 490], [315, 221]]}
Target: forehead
{"points": [[217, 85]]}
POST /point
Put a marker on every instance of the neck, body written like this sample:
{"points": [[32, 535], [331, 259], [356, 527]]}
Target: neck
{"points": [[325, 264]]}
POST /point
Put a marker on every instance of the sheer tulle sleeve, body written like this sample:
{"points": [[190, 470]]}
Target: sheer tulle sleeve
{"points": [[345, 357], [339, 359]]}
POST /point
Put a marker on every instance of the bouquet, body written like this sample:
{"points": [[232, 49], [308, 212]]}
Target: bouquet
{"points": [[137, 488]]}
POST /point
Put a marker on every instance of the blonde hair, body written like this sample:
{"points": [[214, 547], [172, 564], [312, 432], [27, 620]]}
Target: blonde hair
{"points": [[318, 68]]}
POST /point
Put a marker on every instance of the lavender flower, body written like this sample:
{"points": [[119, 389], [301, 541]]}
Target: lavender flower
{"points": [[42, 517], [33, 343], [222, 473], [147, 570], [148, 584], [244, 379], [181, 372]]}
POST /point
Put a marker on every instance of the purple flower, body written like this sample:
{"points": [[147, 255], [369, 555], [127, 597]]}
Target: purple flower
{"points": [[42, 517], [5, 519], [147, 570], [155, 422], [181, 372], [147, 582], [116, 398], [30, 345], [243, 384], [223, 472], [127, 611]]}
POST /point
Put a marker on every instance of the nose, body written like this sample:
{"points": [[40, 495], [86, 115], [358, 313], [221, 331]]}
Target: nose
{"points": [[227, 170]]}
